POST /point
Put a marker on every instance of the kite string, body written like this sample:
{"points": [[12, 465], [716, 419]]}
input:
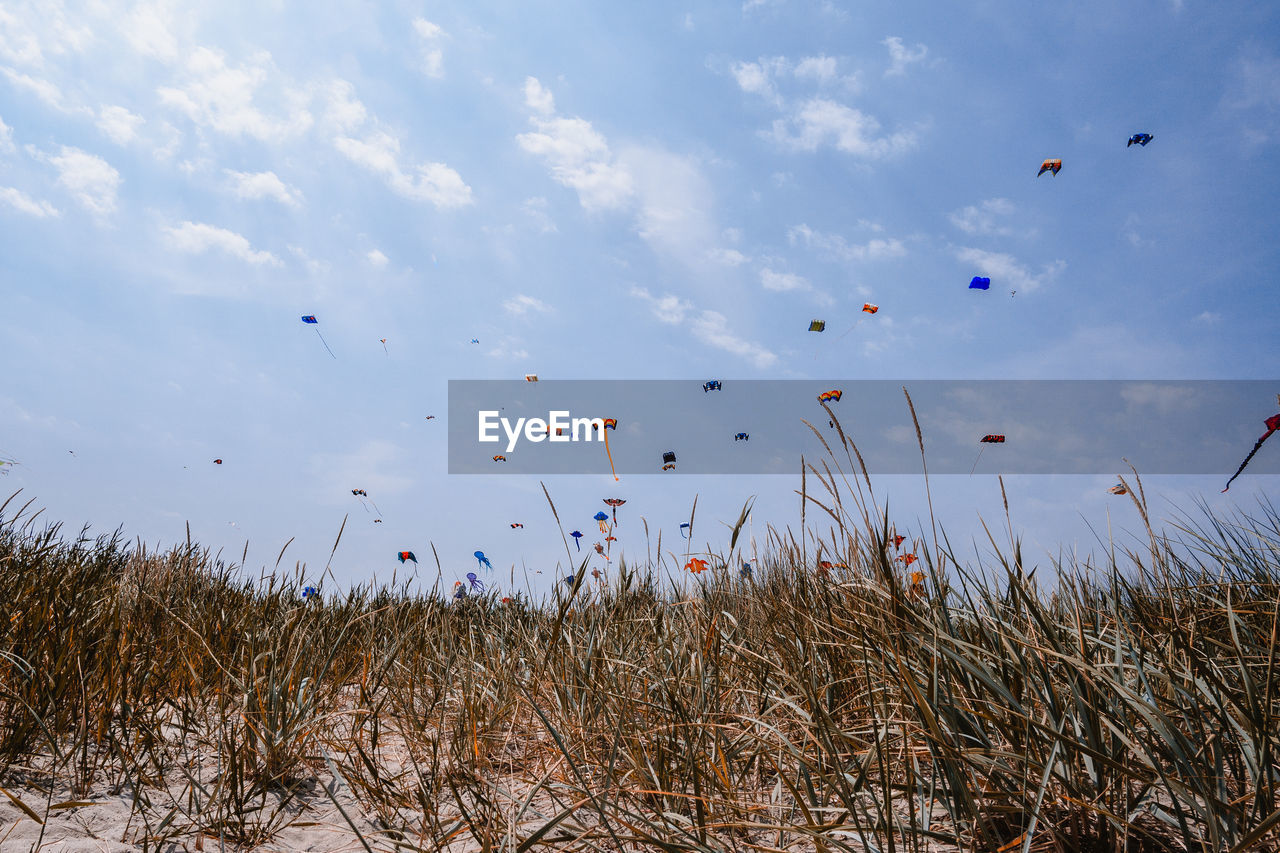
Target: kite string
{"points": [[323, 341], [975, 462]]}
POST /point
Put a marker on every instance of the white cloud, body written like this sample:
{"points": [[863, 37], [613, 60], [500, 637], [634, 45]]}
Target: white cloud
{"points": [[432, 55], [148, 30], [757, 77], [538, 98], [118, 124], [1209, 318], [821, 68], [727, 257], [675, 202], [377, 259], [1005, 270], [45, 90], [900, 56], [520, 304], [981, 219], [432, 182], [343, 110], [91, 180], [819, 121], [252, 185], [313, 266], [197, 238], [6, 138], [710, 327], [836, 246], [579, 158], [782, 281], [24, 203], [222, 97]]}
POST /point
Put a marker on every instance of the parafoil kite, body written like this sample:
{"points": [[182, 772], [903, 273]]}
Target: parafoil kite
{"points": [[817, 325], [499, 458], [476, 583], [431, 417], [1054, 166], [1273, 424], [868, 308], [516, 524], [483, 560], [577, 539], [669, 458], [742, 436], [668, 467], [603, 521], [1118, 489], [980, 283], [310, 319], [1139, 139], [475, 340], [407, 555], [217, 462], [985, 440], [830, 396], [614, 503], [713, 385], [531, 377]]}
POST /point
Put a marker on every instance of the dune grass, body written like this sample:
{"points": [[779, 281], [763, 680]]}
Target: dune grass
{"points": [[1124, 702]]}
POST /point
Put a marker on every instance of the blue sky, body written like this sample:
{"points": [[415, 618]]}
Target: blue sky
{"points": [[597, 191]]}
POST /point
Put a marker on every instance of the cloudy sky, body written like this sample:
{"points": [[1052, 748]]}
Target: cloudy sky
{"points": [[597, 191]]}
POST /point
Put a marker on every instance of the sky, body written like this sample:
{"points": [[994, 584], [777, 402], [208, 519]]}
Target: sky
{"points": [[607, 192]]}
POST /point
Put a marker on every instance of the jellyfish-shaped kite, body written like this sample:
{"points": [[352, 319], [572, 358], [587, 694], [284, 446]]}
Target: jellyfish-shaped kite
{"points": [[683, 527], [1139, 139], [476, 583], [577, 538], [980, 283], [603, 521], [309, 592], [1054, 166], [407, 555], [310, 320], [483, 560], [614, 503], [817, 325]]}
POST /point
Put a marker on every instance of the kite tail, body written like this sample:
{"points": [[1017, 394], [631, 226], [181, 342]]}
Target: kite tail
{"points": [[851, 328], [1246, 460], [326, 343], [975, 462], [375, 507], [612, 470]]}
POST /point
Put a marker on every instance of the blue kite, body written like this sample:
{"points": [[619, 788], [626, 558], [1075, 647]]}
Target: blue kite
{"points": [[577, 539], [483, 560], [713, 385], [476, 583], [1140, 139], [310, 319], [980, 283]]}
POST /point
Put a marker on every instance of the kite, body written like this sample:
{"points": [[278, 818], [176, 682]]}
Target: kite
{"points": [[817, 325], [868, 308], [1273, 424], [668, 467], [377, 521], [309, 592], [476, 583], [1118, 489], [361, 495], [897, 541], [577, 539], [603, 521], [696, 566], [609, 423], [516, 524], [597, 574], [407, 555], [1139, 139], [615, 503], [742, 436], [569, 579], [917, 585], [830, 396], [217, 462], [531, 377], [499, 458], [483, 560], [384, 345], [459, 591], [669, 458], [713, 385], [746, 570], [475, 340], [683, 526], [431, 417], [986, 439], [310, 319], [600, 551], [1054, 166], [980, 283], [907, 559]]}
